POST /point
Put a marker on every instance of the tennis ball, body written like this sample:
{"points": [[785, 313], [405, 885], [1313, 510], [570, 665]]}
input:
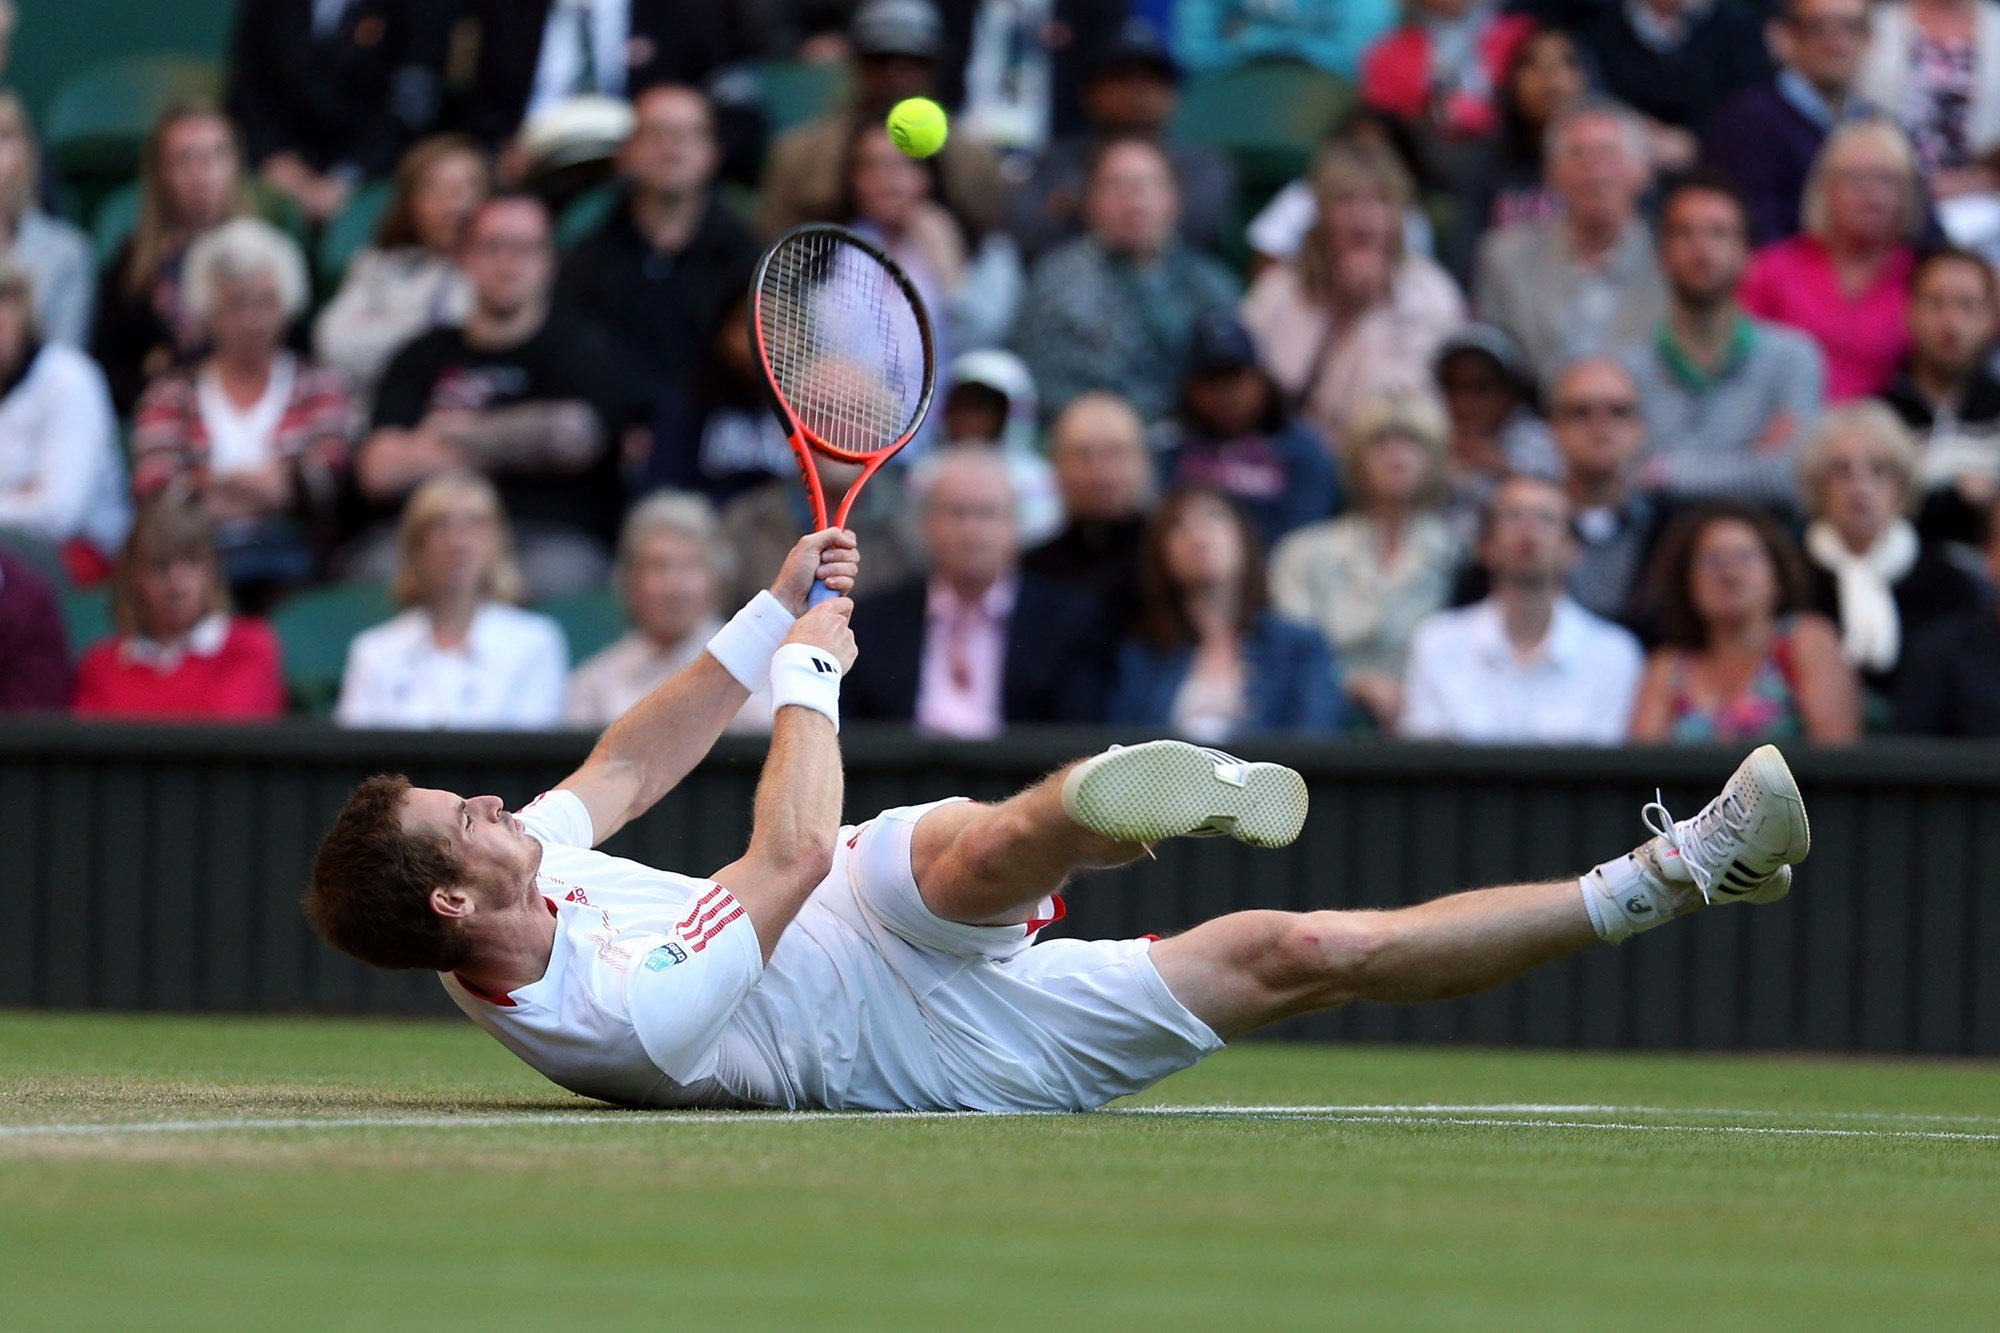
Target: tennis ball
{"points": [[917, 126]]}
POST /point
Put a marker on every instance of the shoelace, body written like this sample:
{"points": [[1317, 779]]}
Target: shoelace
{"points": [[1709, 833]]}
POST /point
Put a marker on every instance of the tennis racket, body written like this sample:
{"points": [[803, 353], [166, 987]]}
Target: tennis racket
{"points": [[846, 345]]}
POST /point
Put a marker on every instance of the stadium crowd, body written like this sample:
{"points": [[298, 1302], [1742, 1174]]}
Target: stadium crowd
{"points": [[1616, 369]]}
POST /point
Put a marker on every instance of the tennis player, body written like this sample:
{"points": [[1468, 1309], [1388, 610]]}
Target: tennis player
{"points": [[894, 964]]}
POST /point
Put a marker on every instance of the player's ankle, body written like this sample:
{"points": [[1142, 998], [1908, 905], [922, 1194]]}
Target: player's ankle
{"points": [[1637, 892]]}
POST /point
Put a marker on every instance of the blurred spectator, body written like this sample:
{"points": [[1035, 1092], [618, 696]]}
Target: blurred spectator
{"points": [[1582, 283], [62, 482], [991, 403], [1594, 415], [979, 645], [1354, 314], [1115, 309], [1366, 578], [253, 435], [9, 20], [1014, 71], [897, 45], [1766, 136], [1280, 227], [1951, 673], [1233, 435], [1845, 279], [1207, 658], [1489, 398], [1727, 398], [1743, 661], [1132, 92], [329, 91], [1870, 573], [1098, 446], [664, 269], [535, 399], [1931, 66], [1527, 665], [461, 656], [34, 655], [408, 282], [760, 524], [672, 565], [178, 652], [728, 440], [1438, 70], [56, 256], [190, 181], [1332, 34], [1948, 394], [1672, 61], [1505, 181]]}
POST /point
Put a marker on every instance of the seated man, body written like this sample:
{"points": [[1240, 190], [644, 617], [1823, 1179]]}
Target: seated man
{"points": [[1947, 393], [893, 965]]}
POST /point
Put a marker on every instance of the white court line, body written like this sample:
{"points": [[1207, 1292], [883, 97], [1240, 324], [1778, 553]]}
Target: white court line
{"points": [[1504, 1115]]}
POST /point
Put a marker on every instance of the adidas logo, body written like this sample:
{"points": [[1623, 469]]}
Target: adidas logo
{"points": [[823, 666]]}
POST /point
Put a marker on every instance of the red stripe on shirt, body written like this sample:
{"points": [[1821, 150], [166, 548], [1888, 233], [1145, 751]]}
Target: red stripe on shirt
{"points": [[701, 902], [716, 929]]}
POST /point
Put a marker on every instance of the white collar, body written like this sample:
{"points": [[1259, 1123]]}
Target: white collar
{"points": [[204, 640], [1560, 646]]}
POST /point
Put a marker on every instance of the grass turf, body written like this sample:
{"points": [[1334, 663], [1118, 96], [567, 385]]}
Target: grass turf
{"points": [[1410, 1219]]}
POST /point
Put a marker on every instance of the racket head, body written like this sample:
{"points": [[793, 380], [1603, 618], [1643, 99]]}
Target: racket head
{"points": [[845, 343]]}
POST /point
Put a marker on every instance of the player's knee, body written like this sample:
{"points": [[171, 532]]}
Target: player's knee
{"points": [[1330, 955]]}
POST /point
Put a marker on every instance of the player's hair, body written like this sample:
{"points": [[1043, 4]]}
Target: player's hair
{"points": [[1681, 626], [1161, 619], [369, 895], [399, 219]]}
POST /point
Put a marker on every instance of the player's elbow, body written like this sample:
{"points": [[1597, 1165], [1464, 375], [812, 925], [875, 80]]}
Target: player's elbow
{"points": [[800, 858]]}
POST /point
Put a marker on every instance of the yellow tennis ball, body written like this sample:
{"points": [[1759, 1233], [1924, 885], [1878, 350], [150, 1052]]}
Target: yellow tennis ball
{"points": [[917, 126]]}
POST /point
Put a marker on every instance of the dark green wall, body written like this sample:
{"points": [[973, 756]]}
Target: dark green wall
{"points": [[56, 39]]}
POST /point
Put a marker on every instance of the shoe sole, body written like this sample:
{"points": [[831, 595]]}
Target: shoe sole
{"points": [[1168, 789], [1775, 776]]}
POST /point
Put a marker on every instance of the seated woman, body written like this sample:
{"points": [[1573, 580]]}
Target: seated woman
{"points": [[408, 282], [178, 653], [1742, 661], [1870, 573], [56, 256], [251, 433], [461, 656], [1366, 578], [672, 565], [1208, 658]]}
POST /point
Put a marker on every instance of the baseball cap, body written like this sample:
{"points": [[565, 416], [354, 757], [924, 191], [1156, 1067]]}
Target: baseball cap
{"points": [[1136, 44], [1220, 342], [897, 28]]}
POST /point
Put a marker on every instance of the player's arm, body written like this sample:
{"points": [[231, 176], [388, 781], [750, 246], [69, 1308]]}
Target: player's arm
{"points": [[644, 754]]}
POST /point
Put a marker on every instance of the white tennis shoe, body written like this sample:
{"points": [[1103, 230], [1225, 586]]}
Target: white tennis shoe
{"points": [[1171, 789], [1743, 844]]}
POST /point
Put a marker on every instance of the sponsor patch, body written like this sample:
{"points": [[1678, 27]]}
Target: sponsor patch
{"points": [[664, 957]]}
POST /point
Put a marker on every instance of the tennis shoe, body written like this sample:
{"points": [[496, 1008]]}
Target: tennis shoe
{"points": [[1742, 845], [1171, 789]]}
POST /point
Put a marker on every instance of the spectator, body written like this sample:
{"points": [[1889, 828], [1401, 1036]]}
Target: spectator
{"points": [[1585, 282], [1930, 66], [1505, 181], [1355, 314], [991, 404], [1132, 92], [62, 482], [672, 565], [329, 93], [532, 398], [1489, 397], [1727, 398], [56, 256], [1098, 446], [34, 655], [1871, 574], [980, 644], [1766, 136], [1845, 279], [1672, 61], [1594, 412], [1280, 227], [897, 45], [1233, 435], [1207, 658], [1015, 71], [461, 656], [1742, 661], [1950, 682], [178, 653], [1115, 309], [729, 440], [1527, 665], [190, 181], [1438, 70], [408, 282], [252, 435], [1366, 578], [1948, 394], [1211, 35]]}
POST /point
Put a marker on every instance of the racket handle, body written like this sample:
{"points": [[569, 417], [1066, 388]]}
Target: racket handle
{"points": [[820, 593]]}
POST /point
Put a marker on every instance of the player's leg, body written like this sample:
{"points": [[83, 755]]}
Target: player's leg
{"points": [[1240, 972]]}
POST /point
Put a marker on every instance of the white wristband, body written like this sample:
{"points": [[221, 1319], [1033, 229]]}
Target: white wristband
{"points": [[809, 677], [744, 646]]}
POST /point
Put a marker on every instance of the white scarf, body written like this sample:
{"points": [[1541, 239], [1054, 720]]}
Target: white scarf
{"points": [[1871, 633]]}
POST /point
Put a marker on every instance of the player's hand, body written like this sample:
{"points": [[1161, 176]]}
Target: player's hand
{"points": [[825, 627], [831, 555]]}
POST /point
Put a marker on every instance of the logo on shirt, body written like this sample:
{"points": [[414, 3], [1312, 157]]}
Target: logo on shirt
{"points": [[576, 896], [664, 957]]}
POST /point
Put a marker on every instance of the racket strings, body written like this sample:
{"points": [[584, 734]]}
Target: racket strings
{"points": [[844, 342]]}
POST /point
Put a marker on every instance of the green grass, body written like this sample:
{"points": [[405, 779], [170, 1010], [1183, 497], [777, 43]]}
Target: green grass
{"points": [[1111, 1221]]}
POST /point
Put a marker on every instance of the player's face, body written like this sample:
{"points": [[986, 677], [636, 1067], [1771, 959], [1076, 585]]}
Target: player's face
{"points": [[499, 856], [1952, 315], [1861, 491], [672, 586]]}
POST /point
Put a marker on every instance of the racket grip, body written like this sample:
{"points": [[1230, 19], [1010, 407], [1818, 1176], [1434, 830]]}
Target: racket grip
{"points": [[820, 593]]}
